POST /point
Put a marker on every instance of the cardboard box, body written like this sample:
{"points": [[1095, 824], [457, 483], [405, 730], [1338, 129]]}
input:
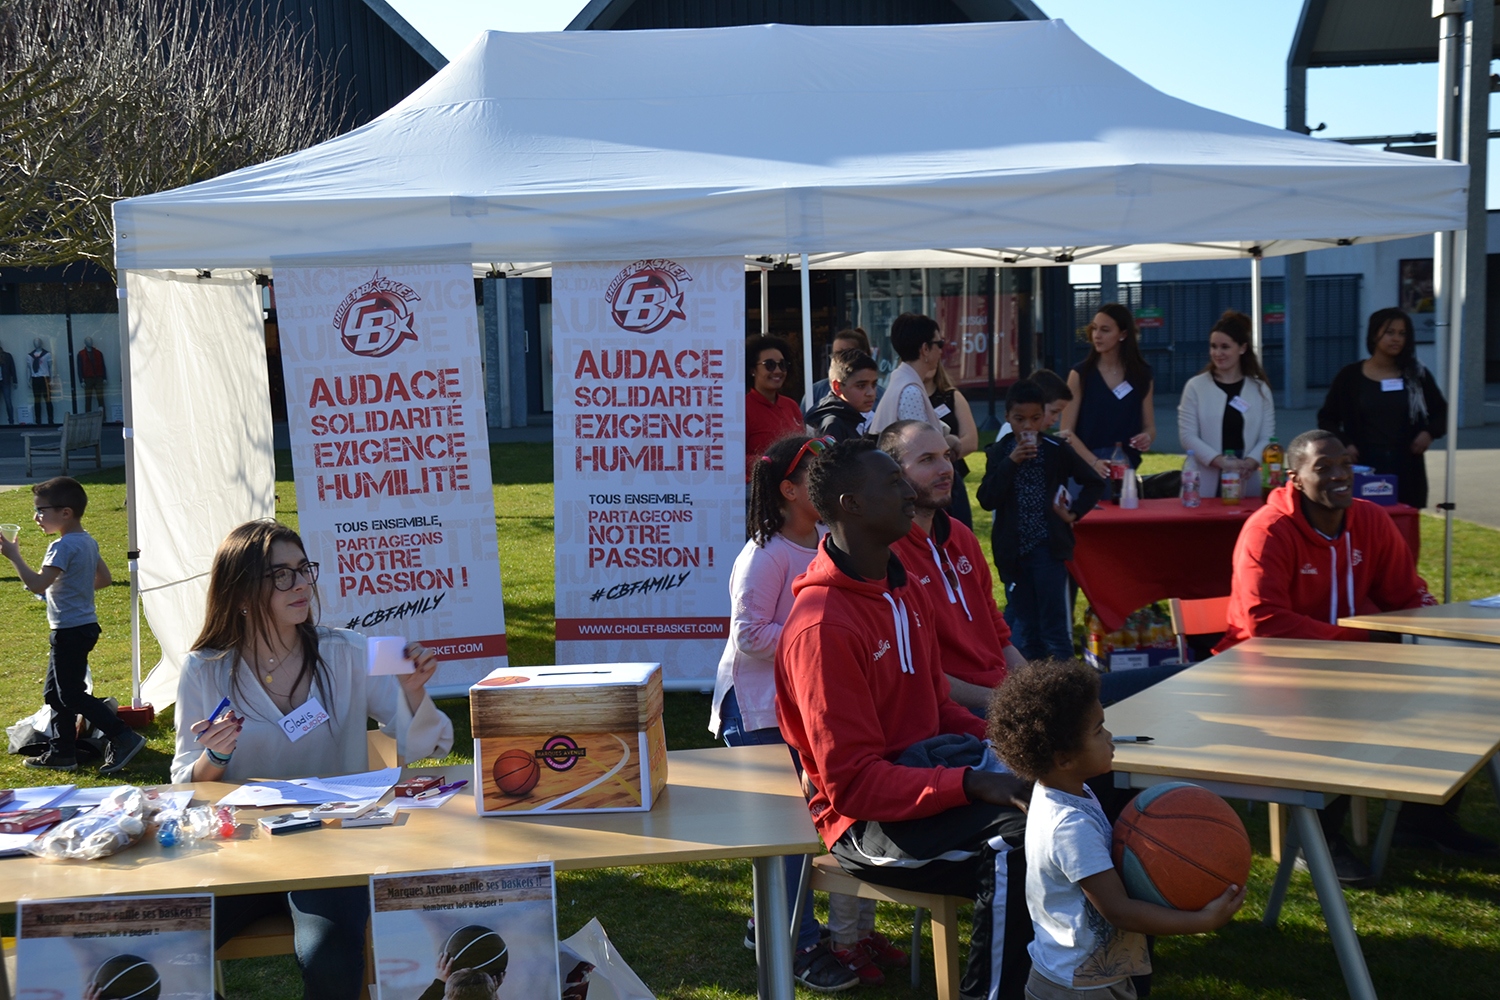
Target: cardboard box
{"points": [[1376, 488], [565, 739]]}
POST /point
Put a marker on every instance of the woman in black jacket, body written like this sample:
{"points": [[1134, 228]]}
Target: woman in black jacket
{"points": [[1387, 409]]}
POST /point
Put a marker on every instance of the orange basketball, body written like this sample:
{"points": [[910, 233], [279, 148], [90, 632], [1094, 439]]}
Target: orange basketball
{"points": [[516, 772], [1181, 846]]}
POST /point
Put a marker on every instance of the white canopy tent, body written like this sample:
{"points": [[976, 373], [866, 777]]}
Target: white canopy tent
{"points": [[1007, 143]]}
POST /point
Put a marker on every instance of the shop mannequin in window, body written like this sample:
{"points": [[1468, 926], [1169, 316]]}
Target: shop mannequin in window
{"points": [[8, 384], [91, 372], [39, 367]]}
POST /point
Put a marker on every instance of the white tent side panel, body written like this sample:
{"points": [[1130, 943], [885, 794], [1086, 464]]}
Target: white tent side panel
{"points": [[202, 441]]}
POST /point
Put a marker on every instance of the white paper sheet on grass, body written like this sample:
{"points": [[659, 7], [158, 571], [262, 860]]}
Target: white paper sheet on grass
{"points": [[314, 791], [202, 440]]}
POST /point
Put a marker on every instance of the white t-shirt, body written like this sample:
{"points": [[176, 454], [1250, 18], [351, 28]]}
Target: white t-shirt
{"points": [[1067, 840]]}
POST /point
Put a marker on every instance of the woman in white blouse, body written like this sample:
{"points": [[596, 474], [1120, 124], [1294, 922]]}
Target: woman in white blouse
{"points": [[262, 649], [1228, 407]]}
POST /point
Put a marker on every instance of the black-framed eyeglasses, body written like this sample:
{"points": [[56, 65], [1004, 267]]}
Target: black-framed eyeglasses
{"points": [[939, 344], [773, 365], [285, 577]]}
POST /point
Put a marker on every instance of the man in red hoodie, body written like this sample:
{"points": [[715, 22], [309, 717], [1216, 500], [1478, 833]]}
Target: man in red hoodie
{"points": [[944, 557], [858, 685], [1312, 555]]}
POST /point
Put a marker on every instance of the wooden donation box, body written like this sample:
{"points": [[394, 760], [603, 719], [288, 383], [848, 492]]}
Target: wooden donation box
{"points": [[580, 738]]}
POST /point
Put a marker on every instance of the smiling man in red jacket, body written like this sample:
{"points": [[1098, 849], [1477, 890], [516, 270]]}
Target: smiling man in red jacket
{"points": [[1312, 555], [858, 684]]}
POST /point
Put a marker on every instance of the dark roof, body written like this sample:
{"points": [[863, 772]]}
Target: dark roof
{"points": [[1365, 33], [602, 15], [377, 55]]}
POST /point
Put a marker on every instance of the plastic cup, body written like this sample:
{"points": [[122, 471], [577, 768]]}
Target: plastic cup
{"points": [[1026, 438], [10, 531]]}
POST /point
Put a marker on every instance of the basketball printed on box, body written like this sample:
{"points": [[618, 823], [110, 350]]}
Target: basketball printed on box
{"points": [[1179, 845], [580, 738]]}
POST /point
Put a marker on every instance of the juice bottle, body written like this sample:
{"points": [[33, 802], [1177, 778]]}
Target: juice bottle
{"points": [[1272, 466], [1118, 463], [1229, 483]]}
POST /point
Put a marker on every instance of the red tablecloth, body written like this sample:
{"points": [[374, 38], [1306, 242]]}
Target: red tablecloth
{"points": [[1126, 559]]}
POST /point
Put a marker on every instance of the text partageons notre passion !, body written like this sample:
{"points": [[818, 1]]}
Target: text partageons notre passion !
{"points": [[390, 562], [683, 405], [404, 427]]}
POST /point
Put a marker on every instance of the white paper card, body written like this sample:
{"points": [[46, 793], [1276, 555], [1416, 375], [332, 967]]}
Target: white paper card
{"points": [[1239, 404], [1392, 384], [385, 655], [942, 409], [303, 719], [1122, 390], [1129, 661], [314, 791], [1493, 601]]}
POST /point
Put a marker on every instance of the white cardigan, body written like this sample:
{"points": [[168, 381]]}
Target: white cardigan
{"points": [[338, 746], [1200, 425]]}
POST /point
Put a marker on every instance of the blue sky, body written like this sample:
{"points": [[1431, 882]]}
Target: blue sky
{"points": [[1229, 55]]}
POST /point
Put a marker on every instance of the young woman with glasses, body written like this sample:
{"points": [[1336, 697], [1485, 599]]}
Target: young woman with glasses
{"points": [[262, 649], [769, 413]]}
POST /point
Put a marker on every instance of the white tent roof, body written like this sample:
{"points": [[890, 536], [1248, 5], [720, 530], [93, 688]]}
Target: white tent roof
{"points": [[598, 145]]}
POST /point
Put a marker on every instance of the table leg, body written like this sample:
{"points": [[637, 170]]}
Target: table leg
{"points": [[773, 946], [1284, 870], [1382, 852], [801, 902], [1494, 766], [1335, 909]]}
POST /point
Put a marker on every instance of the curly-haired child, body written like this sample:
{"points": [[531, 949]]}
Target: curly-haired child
{"points": [[1046, 723]]}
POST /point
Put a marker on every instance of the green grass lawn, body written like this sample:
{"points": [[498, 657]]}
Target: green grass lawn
{"points": [[1432, 928]]}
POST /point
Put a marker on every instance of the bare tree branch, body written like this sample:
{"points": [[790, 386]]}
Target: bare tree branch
{"points": [[109, 99]]}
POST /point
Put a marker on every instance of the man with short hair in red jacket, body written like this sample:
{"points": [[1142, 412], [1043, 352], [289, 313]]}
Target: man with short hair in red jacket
{"points": [[858, 685], [1314, 554], [945, 558]]}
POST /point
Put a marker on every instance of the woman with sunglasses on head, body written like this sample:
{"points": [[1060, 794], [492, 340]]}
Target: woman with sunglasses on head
{"points": [[769, 413], [262, 650], [784, 537], [1112, 392]]}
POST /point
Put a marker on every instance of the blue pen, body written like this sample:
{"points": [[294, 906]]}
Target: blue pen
{"points": [[213, 718]]}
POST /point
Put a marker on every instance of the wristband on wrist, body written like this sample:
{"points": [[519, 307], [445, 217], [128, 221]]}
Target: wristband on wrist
{"points": [[218, 759]]}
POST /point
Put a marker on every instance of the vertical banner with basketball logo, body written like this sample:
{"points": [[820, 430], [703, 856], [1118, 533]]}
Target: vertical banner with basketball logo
{"points": [[648, 460], [385, 401]]}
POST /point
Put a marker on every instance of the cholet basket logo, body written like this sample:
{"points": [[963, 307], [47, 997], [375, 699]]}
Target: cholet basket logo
{"points": [[376, 318], [645, 296]]}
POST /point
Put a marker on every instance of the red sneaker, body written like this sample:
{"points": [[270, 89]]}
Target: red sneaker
{"points": [[858, 962], [878, 948]]}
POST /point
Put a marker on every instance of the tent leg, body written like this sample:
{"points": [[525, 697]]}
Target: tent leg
{"points": [[765, 302], [1446, 284], [132, 554], [1257, 312], [807, 354]]}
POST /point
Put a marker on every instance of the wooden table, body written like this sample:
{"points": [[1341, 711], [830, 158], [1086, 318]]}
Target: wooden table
{"points": [[1297, 723], [1452, 622], [1127, 559], [719, 803]]}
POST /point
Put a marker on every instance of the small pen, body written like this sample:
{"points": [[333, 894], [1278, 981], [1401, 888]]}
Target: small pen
{"points": [[433, 793], [214, 717], [1132, 739]]}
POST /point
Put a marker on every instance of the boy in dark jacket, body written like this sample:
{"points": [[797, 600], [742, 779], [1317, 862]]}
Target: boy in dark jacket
{"points": [[845, 411], [1033, 537]]}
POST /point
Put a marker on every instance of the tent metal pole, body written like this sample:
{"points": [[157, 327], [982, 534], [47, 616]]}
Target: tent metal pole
{"points": [[807, 355], [132, 554], [765, 302], [1257, 310], [1449, 334]]}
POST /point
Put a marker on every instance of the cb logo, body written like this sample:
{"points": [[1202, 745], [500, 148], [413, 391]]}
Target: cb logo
{"points": [[376, 318], [646, 296]]}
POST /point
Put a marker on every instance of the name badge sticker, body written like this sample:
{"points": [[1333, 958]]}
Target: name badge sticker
{"points": [[1392, 384], [942, 409], [1122, 390], [303, 719], [1239, 404]]}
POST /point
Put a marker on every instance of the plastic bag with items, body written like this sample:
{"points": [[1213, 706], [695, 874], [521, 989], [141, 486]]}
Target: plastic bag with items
{"points": [[118, 822]]}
